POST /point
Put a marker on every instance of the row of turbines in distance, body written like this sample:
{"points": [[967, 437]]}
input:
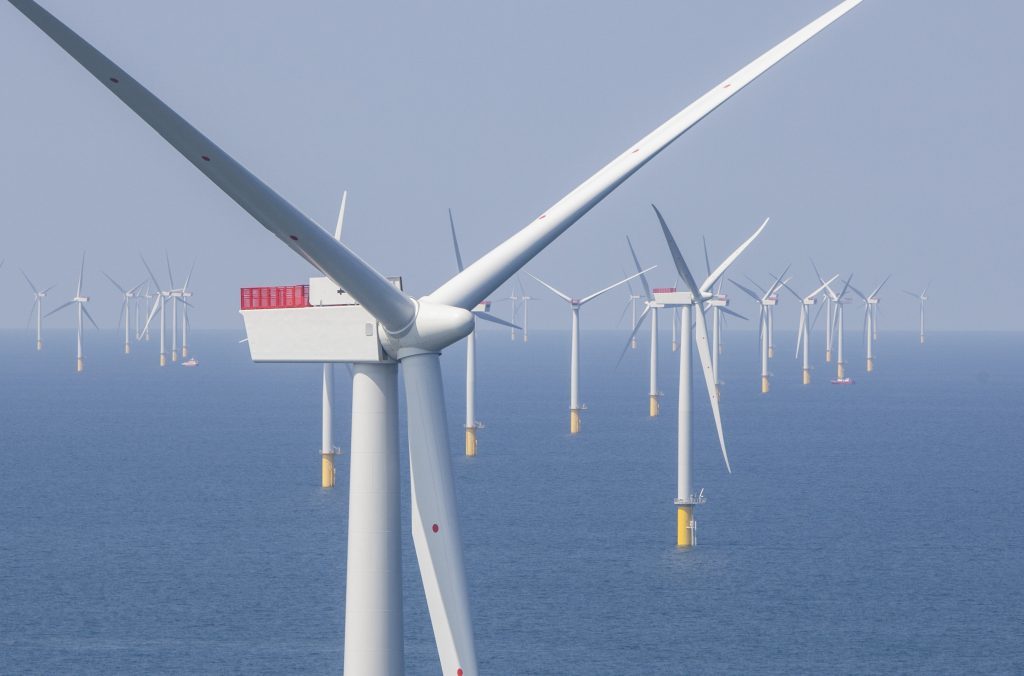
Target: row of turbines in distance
{"points": [[141, 304]]}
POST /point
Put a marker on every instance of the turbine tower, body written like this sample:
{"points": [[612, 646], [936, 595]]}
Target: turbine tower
{"points": [[124, 315], [160, 300], [574, 362], [653, 393], [921, 298], [37, 308], [403, 330], [719, 304], [870, 319], [327, 448], [838, 301], [803, 335], [79, 302], [765, 301]]}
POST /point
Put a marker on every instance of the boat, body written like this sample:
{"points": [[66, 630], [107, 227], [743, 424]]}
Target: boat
{"points": [[843, 381], [190, 362]]}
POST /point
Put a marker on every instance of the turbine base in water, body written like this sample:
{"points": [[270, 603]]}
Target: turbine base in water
{"points": [[470, 442], [807, 376], [326, 470], [163, 360], [771, 352], [828, 355], [39, 345], [574, 421], [764, 385], [174, 356], [871, 364], [184, 351], [127, 348], [655, 407], [685, 526], [80, 365], [840, 371]]}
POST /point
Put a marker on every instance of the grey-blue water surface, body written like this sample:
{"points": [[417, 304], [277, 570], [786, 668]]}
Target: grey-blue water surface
{"points": [[170, 520]]}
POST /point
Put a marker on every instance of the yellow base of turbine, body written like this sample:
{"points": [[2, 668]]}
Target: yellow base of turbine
{"points": [[470, 442], [163, 360], [655, 407], [80, 365], [174, 356], [828, 356], [871, 364], [840, 371], [39, 345], [675, 346], [807, 377], [764, 385], [574, 421], [684, 525], [525, 338], [632, 343], [327, 470], [184, 351], [771, 352]]}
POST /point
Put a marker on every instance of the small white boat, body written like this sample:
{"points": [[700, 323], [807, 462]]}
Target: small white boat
{"points": [[843, 381], [190, 362]]}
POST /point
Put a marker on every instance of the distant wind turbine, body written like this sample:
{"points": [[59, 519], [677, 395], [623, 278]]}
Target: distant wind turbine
{"points": [[37, 309], [79, 301]]}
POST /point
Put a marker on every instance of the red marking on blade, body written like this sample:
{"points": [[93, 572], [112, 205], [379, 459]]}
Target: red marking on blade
{"points": [[459, 672], [726, 85], [293, 238], [635, 150], [542, 217], [114, 80], [435, 528], [205, 158]]}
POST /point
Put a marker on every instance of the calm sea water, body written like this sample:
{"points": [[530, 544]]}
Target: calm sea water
{"points": [[171, 521]]}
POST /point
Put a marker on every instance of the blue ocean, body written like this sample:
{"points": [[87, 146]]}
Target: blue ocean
{"points": [[170, 521]]}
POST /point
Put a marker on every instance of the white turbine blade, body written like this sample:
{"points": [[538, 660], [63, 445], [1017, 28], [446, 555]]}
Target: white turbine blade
{"points": [[455, 241], [926, 287], [48, 289], [34, 289], [435, 526], [816, 315], [188, 277], [824, 285], [746, 290], [480, 279], [592, 296], [81, 274], [341, 216], [787, 287], [551, 288], [756, 285], [496, 320], [709, 377], [643, 278], [639, 322], [89, 317], [778, 282], [820, 278], [911, 294], [845, 287], [32, 312], [727, 311], [875, 292], [373, 291], [625, 310], [151, 275], [707, 259], [170, 276], [152, 313], [119, 287], [720, 270], [677, 258], [59, 307], [856, 291]]}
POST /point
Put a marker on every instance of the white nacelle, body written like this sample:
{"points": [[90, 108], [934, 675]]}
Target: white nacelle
{"points": [[672, 298]]}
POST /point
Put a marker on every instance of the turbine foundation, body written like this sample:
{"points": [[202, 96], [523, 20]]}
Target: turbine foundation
{"points": [[675, 346], [685, 526], [39, 345], [127, 348], [922, 340], [807, 376], [655, 407], [163, 360], [184, 351], [174, 355], [764, 385], [326, 470], [771, 351], [871, 364], [840, 371], [828, 356], [470, 442], [80, 365], [574, 421]]}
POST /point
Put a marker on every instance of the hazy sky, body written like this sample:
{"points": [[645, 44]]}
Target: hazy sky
{"points": [[889, 143]]}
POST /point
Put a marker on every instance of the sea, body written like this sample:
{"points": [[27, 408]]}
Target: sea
{"points": [[170, 520]]}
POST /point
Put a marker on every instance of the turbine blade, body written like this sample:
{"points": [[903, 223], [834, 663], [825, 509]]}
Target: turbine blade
{"points": [[59, 307], [119, 287], [875, 292], [727, 311], [862, 296], [341, 216], [639, 322], [745, 290], [496, 320], [824, 285], [787, 287], [170, 276], [800, 331], [479, 280], [188, 277], [816, 315], [677, 257], [152, 313], [48, 289], [707, 259], [380, 297], [720, 270], [756, 285], [34, 289], [32, 312], [89, 317], [455, 241], [624, 311], [81, 274], [151, 275], [553, 289], [818, 274], [845, 287], [435, 526], [709, 377], [592, 296], [636, 262], [120, 313]]}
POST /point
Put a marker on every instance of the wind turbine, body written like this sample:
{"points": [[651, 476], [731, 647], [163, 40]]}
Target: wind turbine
{"points": [[719, 305], [124, 315], [37, 308], [829, 314], [182, 295], [838, 301], [687, 302], [870, 317], [921, 298], [160, 299], [327, 448], [574, 363], [411, 332], [482, 310], [630, 305], [653, 393], [765, 302], [803, 336], [79, 302]]}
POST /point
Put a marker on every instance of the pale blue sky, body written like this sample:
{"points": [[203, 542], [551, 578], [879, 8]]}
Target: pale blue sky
{"points": [[890, 143]]}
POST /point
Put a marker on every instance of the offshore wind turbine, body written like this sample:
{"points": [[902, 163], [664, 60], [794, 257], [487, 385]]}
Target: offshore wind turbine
{"points": [[182, 296], [829, 314], [838, 301], [870, 318], [574, 354], [766, 300], [631, 308], [653, 393], [803, 335], [79, 302], [160, 300], [127, 296], [719, 304], [37, 308], [921, 298], [411, 332], [327, 448]]}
